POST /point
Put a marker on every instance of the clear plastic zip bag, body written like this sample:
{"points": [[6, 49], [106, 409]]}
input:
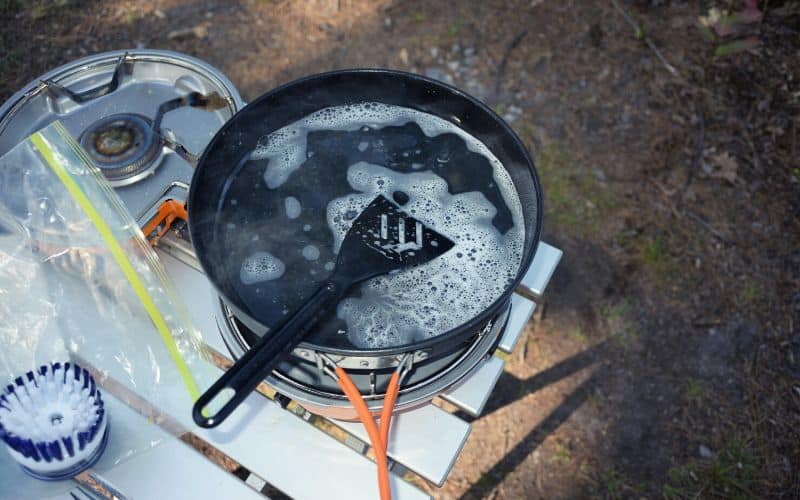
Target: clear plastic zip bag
{"points": [[79, 283]]}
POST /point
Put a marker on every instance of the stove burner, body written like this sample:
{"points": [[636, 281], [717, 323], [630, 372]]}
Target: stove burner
{"points": [[436, 369], [123, 146]]}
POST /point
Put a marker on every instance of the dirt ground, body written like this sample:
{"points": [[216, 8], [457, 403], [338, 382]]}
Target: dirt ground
{"points": [[666, 359]]}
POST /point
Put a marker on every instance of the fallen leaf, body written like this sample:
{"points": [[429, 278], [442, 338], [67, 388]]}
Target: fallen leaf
{"points": [[713, 17], [199, 31], [731, 23], [727, 166], [404, 56]]}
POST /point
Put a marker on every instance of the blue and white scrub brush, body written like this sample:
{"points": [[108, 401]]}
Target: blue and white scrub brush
{"points": [[53, 421]]}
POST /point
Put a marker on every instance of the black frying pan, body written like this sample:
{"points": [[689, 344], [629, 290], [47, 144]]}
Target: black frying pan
{"points": [[229, 205]]}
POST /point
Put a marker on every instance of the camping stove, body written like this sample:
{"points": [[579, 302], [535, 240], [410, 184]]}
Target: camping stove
{"points": [[142, 117]]}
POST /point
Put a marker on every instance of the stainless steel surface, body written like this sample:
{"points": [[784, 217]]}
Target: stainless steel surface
{"points": [[365, 363], [174, 470], [229, 329], [179, 248], [521, 311], [255, 482], [296, 457], [538, 276], [472, 394], [426, 440], [337, 406], [149, 78]]}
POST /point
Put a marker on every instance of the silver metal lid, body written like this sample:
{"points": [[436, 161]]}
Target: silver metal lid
{"points": [[110, 102]]}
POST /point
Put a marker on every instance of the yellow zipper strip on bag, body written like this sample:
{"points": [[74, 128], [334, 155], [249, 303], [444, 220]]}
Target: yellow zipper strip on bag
{"points": [[119, 255]]}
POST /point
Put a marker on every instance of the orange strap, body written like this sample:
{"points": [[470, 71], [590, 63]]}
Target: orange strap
{"points": [[379, 439]]}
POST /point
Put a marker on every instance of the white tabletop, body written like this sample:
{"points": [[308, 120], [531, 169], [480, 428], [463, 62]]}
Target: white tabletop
{"points": [[275, 444]]}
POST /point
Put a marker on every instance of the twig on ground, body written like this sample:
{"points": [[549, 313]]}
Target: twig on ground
{"points": [[695, 164], [672, 207], [501, 69], [714, 231], [704, 323], [640, 34]]}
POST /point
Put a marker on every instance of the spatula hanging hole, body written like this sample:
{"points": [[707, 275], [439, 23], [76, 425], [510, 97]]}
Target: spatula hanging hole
{"points": [[218, 401]]}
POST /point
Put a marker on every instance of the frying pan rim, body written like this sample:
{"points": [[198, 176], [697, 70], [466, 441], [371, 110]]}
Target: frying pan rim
{"points": [[474, 323]]}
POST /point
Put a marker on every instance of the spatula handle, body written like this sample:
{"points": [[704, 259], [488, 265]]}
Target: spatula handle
{"points": [[251, 369]]}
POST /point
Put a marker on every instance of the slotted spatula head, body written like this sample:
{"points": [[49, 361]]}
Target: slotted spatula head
{"points": [[384, 239]]}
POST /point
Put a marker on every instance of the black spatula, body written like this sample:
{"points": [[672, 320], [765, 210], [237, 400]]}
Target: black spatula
{"points": [[381, 240]]}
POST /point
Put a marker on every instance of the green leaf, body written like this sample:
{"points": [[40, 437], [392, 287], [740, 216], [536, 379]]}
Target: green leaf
{"points": [[735, 47], [452, 31], [707, 33]]}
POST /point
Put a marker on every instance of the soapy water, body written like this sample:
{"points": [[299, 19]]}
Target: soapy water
{"points": [[428, 300], [260, 267]]}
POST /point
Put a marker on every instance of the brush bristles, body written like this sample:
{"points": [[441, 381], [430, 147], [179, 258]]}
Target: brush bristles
{"points": [[69, 394]]}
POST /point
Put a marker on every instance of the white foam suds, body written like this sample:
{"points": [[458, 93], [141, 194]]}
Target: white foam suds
{"points": [[261, 266], [310, 252], [286, 148], [430, 299], [292, 206]]}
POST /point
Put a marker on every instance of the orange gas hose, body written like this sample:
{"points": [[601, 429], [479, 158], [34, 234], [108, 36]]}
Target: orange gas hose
{"points": [[388, 407], [378, 440]]}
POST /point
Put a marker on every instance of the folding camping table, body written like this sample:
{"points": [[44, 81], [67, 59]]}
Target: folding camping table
{"points": [[281, 447]]}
